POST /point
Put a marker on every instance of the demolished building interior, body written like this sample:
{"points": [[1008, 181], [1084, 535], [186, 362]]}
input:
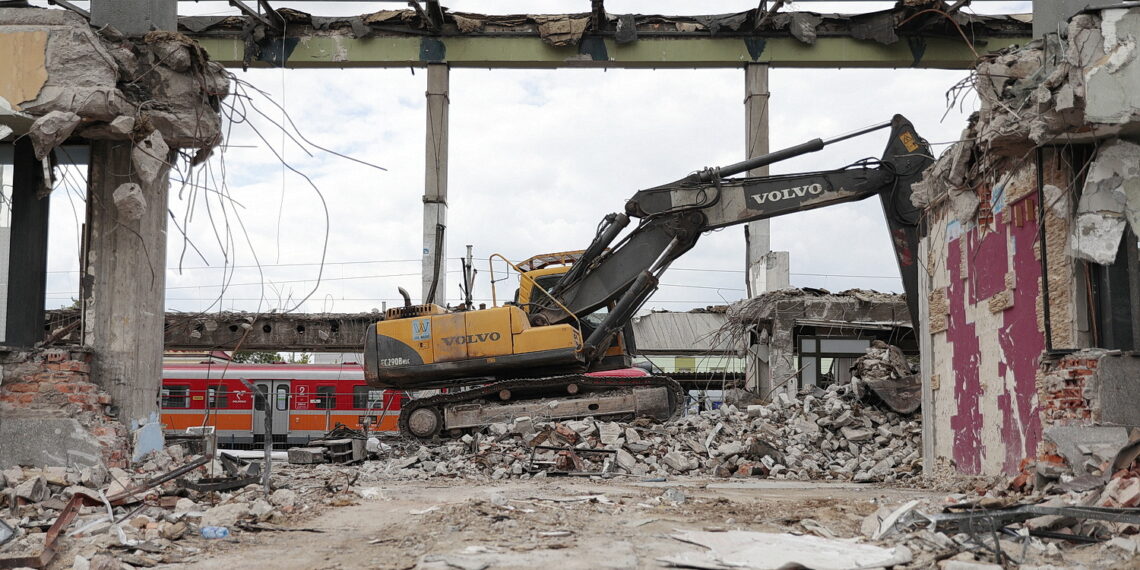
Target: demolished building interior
{"points": [[1023, 353]]}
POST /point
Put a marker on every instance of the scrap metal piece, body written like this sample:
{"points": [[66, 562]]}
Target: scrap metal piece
{"points": [[902, 395], [569, 461], [78, 500], [66, 516], [120, 498], [207, 484], [992, 520]]}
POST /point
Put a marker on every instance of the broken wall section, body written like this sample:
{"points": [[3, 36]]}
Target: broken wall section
{"points": [[1044, 180], [51, 414], [769, 323]]}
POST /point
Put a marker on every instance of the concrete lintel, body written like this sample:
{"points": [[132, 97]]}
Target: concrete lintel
{"points": [[335, 51], [291, 332]]}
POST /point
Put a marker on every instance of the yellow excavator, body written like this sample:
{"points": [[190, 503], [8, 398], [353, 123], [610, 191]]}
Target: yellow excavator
{"points": [[560, 349]]}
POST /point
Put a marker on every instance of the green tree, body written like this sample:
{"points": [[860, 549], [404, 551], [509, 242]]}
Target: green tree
{"points": [[256, 357]]}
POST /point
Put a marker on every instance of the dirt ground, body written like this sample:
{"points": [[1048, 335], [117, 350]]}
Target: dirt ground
{"points": [[571, 522]]}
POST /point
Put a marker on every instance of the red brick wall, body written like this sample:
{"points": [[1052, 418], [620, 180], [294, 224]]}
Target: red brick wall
{"points": [[58, 383], [1062, 392]]}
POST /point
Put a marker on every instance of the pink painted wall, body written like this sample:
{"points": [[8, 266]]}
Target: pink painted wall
{"points": [[988, 255]]}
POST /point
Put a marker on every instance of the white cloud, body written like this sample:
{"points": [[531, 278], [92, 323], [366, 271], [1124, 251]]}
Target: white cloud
{"points": [[536, 159]]}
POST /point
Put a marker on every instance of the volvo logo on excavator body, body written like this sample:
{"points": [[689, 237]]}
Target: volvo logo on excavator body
{"points": [[759, 198], [471, 338]]}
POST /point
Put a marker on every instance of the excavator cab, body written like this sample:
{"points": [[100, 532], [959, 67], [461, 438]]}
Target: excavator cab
{"points": [[541, 273]]}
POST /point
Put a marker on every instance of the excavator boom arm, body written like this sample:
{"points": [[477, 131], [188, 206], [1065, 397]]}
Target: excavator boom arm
{"points": [[673, 217]]}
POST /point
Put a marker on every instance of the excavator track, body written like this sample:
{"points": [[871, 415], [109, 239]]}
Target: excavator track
{"points": [[426, 418]]}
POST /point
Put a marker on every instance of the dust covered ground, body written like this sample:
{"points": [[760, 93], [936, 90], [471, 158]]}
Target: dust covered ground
{"points": [[573, 522]]}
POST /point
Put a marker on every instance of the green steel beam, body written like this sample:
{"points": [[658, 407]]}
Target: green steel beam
{"points": [[331, 51]]}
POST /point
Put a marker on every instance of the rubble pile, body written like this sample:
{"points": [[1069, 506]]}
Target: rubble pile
{"points": [[1063, 520], [820, 434], [126, 519]]}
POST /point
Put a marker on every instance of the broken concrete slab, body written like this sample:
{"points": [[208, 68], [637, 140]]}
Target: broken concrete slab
{"points": [[1111, 77], [41, 442], [762, 550], [147, 438], [51, 130], [1113, 175], [1070, 439]]}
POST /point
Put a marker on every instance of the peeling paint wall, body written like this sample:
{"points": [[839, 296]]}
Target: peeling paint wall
{"points": [[995, 220], [986, 322]]}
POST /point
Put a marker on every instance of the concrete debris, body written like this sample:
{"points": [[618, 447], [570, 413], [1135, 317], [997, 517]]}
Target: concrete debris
{"points": [[149, 157], [1111, 196], [820, 434], [51, 130], [129, 200], [1111, 77], [884, 373], [99, 81], [158, 522], [1076, 89]]}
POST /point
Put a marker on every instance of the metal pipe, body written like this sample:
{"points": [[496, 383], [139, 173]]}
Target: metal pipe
{"points": [[857, 132], [708, 174]]}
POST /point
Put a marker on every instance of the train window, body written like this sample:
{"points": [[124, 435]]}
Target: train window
{"points": [[367, 398], [282, 397], [326, 397], [176, 396], [217, 397], [259, 400]]}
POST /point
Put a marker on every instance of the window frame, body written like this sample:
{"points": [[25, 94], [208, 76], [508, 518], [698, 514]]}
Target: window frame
{"points": [[365, 391], [325, 400], [217, 397], [168, 396]]}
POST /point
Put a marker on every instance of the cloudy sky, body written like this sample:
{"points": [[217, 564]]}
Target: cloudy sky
{"points": [[537, 158]]}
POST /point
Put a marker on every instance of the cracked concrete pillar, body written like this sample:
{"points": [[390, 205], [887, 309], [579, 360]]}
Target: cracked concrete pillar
{"points": [[757, 235], [434, 266], [122, 285], [767, 270]]}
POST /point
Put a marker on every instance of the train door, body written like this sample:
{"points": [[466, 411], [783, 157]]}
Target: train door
{"points": [[274, 399]]}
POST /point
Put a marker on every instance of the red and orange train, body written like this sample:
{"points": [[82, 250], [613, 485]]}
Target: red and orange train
{"points": [[306, 401]]}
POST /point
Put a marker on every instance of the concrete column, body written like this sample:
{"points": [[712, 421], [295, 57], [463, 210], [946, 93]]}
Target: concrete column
{"points": [[135, 17], [767, 270], [23, 324], [757, 235], [434, 267], [123, 280]]}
